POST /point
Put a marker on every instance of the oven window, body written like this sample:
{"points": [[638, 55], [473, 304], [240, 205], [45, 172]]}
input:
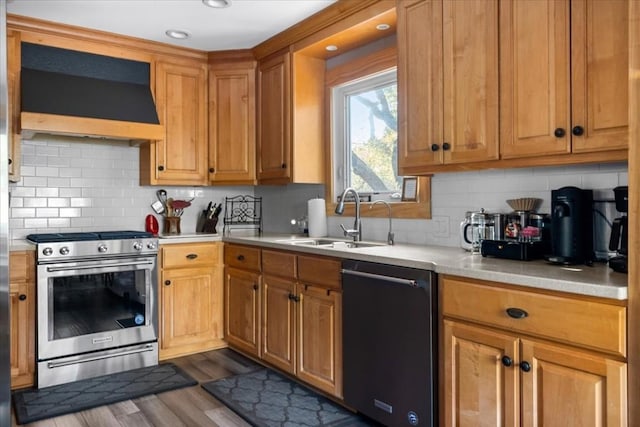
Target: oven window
{"points": [[91, 303]]}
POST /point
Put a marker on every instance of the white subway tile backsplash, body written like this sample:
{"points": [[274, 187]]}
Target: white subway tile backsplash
{"points": [[32, 181], [35, 222], [47, 192], [23, 212], [30, 202], [47, 212]]}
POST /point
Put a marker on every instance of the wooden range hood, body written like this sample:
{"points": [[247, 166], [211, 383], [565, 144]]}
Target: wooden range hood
{"points": [[74, 93]]}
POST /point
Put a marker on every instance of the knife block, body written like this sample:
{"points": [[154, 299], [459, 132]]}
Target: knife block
{"points": [[205, 224]]}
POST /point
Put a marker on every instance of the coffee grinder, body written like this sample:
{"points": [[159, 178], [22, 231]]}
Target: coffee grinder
{"points": [[620, 231]]}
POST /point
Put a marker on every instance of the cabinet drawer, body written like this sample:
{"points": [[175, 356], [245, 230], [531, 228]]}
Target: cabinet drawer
{"points": [[321, 271], [21, 266], [190, 255], [244, 257], [587, 323], [279, 263]]}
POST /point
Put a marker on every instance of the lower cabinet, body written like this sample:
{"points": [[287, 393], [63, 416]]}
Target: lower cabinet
{"points": [[516, 371], [22, 312], [191, 299], [283, 311]]}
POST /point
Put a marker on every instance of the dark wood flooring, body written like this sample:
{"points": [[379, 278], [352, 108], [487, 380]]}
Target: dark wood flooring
{"points": [[191, 406]]}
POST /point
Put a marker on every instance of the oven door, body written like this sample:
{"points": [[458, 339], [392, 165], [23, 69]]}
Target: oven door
{"points": [[92, 305]]}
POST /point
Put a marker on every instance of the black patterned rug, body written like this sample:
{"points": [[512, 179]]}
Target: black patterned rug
{"points": [[267, 399], [37, 404]]}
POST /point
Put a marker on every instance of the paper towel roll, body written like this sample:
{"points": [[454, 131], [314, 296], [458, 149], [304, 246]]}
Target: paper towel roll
{"points": [[317, 215]]}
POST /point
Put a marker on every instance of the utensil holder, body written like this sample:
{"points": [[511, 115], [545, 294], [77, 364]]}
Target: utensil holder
{"points": [[171, 225]]}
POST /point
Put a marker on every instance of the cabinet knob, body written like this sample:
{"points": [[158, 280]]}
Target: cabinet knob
{"points": [[10, 161], [516, 313], [293, 297], [240, 257], [435, 147], [446, 146], [506, 361], [212, 170], [160, 168], [22, 297], [167, 282], [192, 256], [577, 130], [255, 286], [525, 366], [283, 166], [559, 133]]}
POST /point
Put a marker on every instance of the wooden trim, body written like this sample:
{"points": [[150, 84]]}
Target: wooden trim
{"points": [[315, 23], [73, 37], [375, 62], [66, 125], [228, 59], [634, 210]]}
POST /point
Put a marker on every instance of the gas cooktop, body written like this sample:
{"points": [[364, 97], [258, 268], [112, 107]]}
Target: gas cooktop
{"points": [[85, 236]]}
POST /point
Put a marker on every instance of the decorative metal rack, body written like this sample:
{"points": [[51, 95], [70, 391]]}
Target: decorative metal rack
{"points": [[242, 212]]}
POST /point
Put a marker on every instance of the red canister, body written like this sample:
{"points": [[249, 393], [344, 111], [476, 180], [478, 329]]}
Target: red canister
{"points": [[151, 224]]}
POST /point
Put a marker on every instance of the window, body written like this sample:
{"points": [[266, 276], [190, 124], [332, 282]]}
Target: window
{"points": [[365, 136]]}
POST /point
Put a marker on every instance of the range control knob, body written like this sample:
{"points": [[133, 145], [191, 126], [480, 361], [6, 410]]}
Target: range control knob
{"points": [[151, 245], [102, 249], [64, 250], [47, 251], [137, 246]]}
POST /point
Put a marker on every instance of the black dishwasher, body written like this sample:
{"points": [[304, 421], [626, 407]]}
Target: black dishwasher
{"points": [[390, 342]]}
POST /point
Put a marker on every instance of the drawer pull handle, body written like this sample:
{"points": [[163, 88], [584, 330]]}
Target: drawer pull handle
{"points": [[525, 366], [192, 256], [516, 313], [506, 361], [240, 258]]}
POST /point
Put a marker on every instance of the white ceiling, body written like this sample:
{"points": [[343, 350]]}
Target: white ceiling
{"points": [[245, 24]]}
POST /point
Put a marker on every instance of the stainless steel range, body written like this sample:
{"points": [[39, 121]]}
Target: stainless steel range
{"points": [[96, 304]]}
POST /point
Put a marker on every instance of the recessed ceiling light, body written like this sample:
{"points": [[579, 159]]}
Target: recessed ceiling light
{"points": [[331, 48], [383, 27], [178, 34], [217, 3]]}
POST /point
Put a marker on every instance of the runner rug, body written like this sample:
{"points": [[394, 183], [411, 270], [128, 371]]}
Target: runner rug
{"points": [[37, 404]]}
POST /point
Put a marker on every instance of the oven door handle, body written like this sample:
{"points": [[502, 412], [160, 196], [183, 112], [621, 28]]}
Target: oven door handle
{"points": [[91, 266], [85, 359]]}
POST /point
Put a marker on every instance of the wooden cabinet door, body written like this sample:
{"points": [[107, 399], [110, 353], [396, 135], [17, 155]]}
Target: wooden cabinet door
{"points": [[232, 116], [470, 46], [320, 338], [188, 307], [278, 322], [479, 390], [242, 310], [420, 87], [274, 118], [22, 321], [13, 86], [534, 82], [600, 74], [181, 99], [567, 387]]}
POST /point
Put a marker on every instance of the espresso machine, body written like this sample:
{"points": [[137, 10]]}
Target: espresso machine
{"points": [[571, 226], [620, 231]]}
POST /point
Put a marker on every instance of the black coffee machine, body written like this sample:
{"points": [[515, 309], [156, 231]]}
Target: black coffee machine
{"points": [[571, 226], [620, 231]]}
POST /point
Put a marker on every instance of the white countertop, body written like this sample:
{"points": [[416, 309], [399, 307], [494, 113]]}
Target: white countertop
{"points": [[167, 239], [598, 280]]}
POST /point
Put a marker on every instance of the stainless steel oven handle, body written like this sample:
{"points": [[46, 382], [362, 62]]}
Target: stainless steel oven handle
{"points": [[91, 266], [85, 359]]}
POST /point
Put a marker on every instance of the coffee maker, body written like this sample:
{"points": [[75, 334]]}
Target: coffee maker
{"points": [[620, 231], [571, 226]]}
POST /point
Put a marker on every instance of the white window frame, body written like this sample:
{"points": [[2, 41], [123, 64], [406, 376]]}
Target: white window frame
{"points": [[339, 132]]}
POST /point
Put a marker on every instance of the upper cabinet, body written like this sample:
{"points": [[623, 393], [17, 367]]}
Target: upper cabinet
{"points": [[564, 78], [291, 119], [180, 158], [13, 82], [232, 118], [561, 96], [448, 74]]}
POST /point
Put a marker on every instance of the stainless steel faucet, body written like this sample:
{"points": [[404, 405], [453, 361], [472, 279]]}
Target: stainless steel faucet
{"points": [[390, 233], [356, 231]]}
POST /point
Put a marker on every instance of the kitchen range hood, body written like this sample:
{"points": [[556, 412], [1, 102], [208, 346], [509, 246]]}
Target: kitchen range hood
{"points": [[67, 92]]}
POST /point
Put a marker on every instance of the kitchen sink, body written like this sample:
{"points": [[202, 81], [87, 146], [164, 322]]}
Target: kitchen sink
{"points": [[331, 243]]}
